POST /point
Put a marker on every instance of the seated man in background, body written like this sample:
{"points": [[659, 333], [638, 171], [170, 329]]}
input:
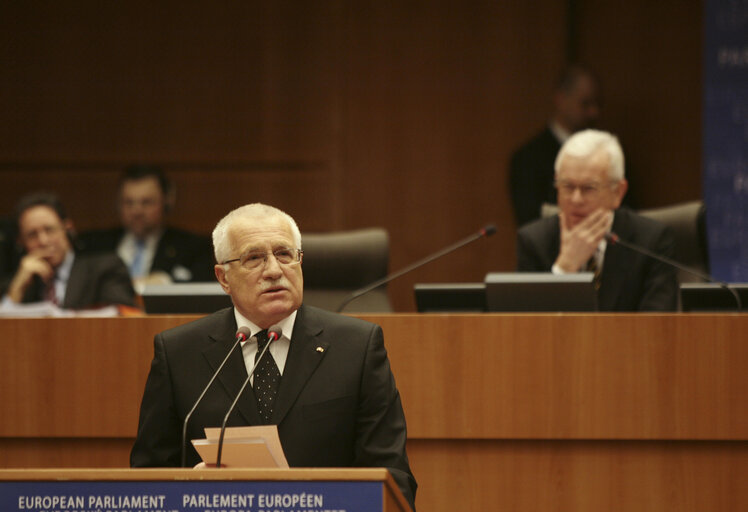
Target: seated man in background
{"points": [[591, 185], [152, 251], [326, 382], [51, 270]]}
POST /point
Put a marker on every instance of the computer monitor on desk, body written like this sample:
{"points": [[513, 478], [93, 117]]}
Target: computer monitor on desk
{"points": [[188, 298], [504, 292], [450, 297], [712, 297], [540, 292]]}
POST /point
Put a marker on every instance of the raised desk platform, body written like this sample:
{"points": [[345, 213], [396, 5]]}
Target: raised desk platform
{"points": [[518, 412]]}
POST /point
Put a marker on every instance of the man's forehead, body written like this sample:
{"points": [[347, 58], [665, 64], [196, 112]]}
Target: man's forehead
{"points": [[40, 214], [260, 232], [591, 167], [142, 186]]}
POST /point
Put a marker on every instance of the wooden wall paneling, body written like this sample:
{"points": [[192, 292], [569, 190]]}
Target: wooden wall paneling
{"points": [[436, 100], [583, 476], [648, 57], [550, 412], [536, 376], [178, 81], [406, 113], [570, 376], [236, 101]]}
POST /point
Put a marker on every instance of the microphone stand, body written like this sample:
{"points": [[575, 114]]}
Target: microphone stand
{"points": [[236, 400], [485, 231], [616, 240]]}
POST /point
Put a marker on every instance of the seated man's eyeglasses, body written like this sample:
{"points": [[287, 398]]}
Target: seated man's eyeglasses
{"points": [[253, 260], [590, 189]]}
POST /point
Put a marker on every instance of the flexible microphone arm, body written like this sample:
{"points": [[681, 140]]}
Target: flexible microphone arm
{"points": [[274, 333], [241, 335], [614, 239], [487, 230]]}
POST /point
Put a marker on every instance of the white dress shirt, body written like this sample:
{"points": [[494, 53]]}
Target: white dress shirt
{"points": [[278, 349]]}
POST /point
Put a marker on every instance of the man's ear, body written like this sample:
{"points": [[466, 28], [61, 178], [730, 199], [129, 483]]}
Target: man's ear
{"points": [[620, 191], [69, 227], [221, 277]]}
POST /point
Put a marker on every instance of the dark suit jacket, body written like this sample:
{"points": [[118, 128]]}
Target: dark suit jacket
{"points": [[629, 281], [531, 176], [95, 280], [338, 407], [183, 255]]}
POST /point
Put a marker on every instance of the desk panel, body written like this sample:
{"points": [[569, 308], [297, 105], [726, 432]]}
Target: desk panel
{"points": [[526, 412]]}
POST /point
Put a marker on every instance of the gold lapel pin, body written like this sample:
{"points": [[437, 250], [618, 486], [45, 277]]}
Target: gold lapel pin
{"points": [[320, 349]]}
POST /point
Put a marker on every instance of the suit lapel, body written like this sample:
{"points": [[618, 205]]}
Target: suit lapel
{"points": [[554, 241], [165, 254], [307, 350], [76, 284], [615, 265], [234, 373]]}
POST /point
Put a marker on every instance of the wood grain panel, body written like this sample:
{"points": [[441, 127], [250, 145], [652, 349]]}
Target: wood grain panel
{"points": [[176, 81], [649, 57], [518, 412], [409, 111], [571, 376], [460, 376], [440, 97], [580, 476]]}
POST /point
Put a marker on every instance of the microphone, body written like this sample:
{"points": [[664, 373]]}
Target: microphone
{"points": [[614, 239], [274, 333], [487, 230], [241, 335]]}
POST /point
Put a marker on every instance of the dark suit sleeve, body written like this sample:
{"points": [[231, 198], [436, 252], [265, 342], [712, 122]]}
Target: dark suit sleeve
{"points": [[526, 190], [158, 440], [115, 286], [380, 424], [534, 253], [660, 288]]}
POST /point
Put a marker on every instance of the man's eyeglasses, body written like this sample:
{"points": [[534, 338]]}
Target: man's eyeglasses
{"points": [[256, 259], [49, 231], [591, 189]]}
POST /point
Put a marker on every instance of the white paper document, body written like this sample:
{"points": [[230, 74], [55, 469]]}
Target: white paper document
{"points": [[243, 447]]}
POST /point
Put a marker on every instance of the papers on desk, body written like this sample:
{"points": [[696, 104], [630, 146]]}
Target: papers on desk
{"points": [[243, 447], [9, 309]]}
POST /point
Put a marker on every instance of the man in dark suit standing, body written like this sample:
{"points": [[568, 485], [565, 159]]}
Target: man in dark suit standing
{"points": [[575, 107], [591, 185], [51, 270], [152, 251], [335, 402]]}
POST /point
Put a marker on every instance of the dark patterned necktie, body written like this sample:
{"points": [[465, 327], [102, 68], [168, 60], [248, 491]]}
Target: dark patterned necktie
{"points": [[593, 267], [266, 379], [50, 294]]}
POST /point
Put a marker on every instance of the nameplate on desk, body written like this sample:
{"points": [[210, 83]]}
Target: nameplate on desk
{"points": [[190, 496]]}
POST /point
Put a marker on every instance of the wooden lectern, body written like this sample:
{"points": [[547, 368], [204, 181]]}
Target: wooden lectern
{"points": [[189, 490]]}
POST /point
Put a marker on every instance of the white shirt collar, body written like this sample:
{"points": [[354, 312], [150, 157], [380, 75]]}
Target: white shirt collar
{"points": [[286, 324], [559, 131], [62, 273]]}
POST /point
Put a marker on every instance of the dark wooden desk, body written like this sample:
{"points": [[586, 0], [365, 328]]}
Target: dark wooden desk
{"points": [[518, 412]]}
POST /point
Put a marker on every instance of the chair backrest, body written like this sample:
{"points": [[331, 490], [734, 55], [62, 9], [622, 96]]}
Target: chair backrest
{"points": [[687, 221], [336, 264]]}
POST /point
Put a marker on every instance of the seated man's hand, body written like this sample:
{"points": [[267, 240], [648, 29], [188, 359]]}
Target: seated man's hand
{"points": [[32, 264], [579, 243]]}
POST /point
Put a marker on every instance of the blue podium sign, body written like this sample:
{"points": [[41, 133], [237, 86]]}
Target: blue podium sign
{"points": [[725, 136], [191, 496]]}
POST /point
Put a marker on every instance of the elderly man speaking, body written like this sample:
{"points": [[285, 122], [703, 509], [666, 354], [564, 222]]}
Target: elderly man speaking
{"points": [[328, 385], [591, 184]]}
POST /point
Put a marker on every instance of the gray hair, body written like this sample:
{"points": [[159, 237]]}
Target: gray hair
{"points": [[588, 142], [254, 211]]}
